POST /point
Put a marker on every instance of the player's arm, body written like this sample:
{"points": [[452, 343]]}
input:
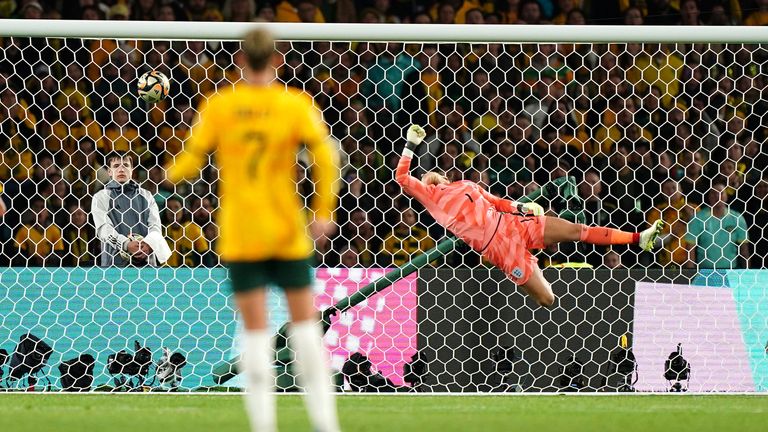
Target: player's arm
{"points": [[325, 172], [501, 204], [105, 231], [410, 184], [202, 139], [323, 159], [509, 206], [325, 175]]}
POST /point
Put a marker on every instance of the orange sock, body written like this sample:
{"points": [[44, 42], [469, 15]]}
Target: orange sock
{"points": [[607, 236]]}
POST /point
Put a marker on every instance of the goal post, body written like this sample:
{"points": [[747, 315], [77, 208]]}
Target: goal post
{"points": [[637, 122]]}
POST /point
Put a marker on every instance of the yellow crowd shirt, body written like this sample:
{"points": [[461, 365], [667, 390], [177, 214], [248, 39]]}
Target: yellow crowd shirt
{"points": [[256, 133], [676, 216], [68, 136], [125, 139], [403, 249], [40, 242], [188, 244]]}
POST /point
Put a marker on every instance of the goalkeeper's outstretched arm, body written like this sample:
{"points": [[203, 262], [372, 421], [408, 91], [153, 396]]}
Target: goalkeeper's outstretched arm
{"points": [[417, 189], [410, 184]]}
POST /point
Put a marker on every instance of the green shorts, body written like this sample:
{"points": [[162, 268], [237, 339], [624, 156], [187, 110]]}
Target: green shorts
{"points": [[287, 274]]}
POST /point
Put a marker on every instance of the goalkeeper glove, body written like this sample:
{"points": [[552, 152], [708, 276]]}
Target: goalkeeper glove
{"points": [[531, 209], [414, 136]]}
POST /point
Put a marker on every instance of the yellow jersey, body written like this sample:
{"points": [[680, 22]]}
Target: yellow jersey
{"points": [[255, 133]]}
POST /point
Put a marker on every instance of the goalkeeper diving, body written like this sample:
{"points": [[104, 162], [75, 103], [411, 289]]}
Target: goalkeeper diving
{"points": [[504, 231]]}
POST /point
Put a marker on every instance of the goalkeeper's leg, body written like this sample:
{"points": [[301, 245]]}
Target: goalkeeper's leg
{"points": [[537, 287], [558, 230], [313, 372], [257, 361], [521, 267]]}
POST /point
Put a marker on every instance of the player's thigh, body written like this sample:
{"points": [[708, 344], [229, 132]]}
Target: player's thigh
{"points": [[249, 280], [538, 288], [252, 305], [558, 230], [295, 277], [301, 303]]}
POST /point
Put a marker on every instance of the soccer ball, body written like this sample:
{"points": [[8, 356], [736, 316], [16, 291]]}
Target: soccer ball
{"points": [[153, 87]]}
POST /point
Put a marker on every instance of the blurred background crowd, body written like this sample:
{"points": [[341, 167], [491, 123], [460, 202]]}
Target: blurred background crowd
{"points": [[675, 131]]}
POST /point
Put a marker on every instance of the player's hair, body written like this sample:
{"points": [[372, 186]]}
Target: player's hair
{"points": [[432, 175], [119, 156], [259, 47]]}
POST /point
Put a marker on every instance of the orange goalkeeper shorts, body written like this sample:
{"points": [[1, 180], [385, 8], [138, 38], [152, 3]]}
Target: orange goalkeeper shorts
{"points": [[509, 250]]}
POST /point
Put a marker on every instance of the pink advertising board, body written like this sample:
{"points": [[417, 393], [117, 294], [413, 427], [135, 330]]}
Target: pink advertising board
{"points": [[383, 327]]}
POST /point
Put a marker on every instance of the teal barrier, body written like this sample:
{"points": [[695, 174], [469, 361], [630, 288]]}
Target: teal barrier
{"points": [[101, 311]]}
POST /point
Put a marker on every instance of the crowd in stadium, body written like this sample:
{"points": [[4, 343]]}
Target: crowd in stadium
{"points": [[648, 130]]}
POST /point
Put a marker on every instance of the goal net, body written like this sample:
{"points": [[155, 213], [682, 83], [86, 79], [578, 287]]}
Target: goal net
{"points": [[644, 131]]}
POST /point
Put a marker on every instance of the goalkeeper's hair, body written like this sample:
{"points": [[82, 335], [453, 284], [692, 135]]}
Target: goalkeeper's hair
{"points": [[259, 47], [433, 177]]}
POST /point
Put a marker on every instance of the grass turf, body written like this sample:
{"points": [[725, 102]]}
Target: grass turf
{"points": [[193, 413]]}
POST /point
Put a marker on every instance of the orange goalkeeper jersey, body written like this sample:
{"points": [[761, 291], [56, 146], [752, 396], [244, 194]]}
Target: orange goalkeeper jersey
{"points": [[461, 207], [255, 133]]}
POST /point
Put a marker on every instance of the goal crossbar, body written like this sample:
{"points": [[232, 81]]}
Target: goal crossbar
{"points": [[384, 32]]}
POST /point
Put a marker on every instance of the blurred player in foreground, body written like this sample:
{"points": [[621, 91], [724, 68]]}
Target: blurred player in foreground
{"points": [[504, 231], [256, 130]]}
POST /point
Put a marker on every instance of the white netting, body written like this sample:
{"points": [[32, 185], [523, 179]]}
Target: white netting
{"points": [[644, 130]]}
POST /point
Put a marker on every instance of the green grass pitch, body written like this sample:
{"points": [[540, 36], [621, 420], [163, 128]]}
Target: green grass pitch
{"points": [[193, 413]]}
